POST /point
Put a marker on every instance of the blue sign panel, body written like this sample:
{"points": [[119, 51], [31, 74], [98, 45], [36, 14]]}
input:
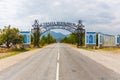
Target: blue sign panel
{"points": [[117, 40], [26, 35], [90, 38]]}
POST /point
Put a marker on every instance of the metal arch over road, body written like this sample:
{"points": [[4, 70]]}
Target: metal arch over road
{"points": [[72, 27], [54, 25], [57, 25]]}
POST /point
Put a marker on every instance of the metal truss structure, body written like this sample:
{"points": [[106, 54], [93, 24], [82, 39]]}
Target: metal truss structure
{"points": [[72, 27], [44, 27]]}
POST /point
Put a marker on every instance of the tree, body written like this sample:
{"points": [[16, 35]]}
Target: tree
{"points": [[50, 39], [47, 39], [1, 39], [11, 36], [71, 39], [18, 40], [81, 40], [32, 39], [43, 40], [36, 38], [64, 40]]}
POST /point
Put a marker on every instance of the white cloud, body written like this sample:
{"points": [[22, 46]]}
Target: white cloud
{"points": [[98, 15], [56, 3]]}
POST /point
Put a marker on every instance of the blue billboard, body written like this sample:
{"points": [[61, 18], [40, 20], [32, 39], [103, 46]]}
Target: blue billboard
{"points": [[117, 40], [27, 38], [90, 38]]}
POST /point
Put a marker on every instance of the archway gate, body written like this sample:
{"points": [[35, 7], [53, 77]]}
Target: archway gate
{"points": [[72, 27]]}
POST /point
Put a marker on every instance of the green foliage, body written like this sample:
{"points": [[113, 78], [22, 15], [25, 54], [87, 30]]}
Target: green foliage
{"points": [[47, 40], [1, 39], [71, 39], [32, 39], [80, 39], [18, 39], [43, 40], [50, 39], [10, 36], [36, 36]]}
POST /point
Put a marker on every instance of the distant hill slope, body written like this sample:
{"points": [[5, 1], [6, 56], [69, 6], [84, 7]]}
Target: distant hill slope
{"points": [[57, 36]]}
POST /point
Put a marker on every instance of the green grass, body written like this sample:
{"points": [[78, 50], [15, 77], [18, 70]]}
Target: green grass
{"points": [[108, 49], [89, 48]]}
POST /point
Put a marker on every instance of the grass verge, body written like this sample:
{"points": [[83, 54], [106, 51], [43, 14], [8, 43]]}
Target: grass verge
{"points": [[89, 48], [114, 50], [15, 52]]}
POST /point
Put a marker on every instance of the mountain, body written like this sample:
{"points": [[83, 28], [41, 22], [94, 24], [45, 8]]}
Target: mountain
{"points": [[57, 36]]}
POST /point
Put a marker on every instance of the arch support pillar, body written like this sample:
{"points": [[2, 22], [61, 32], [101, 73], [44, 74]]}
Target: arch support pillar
{"points": [[36, 33], [80, 34]]}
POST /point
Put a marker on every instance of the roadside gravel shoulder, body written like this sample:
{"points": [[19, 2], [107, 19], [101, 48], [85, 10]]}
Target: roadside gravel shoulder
{"points": [[110, 61], [12, 60], [107, 59]]}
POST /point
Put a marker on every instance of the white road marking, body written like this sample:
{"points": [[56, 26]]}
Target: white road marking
{"points": [[57, 70], [58, 55]]}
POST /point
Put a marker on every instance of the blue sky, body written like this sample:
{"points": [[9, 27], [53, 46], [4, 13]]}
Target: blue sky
{"points": [[97, 15]]}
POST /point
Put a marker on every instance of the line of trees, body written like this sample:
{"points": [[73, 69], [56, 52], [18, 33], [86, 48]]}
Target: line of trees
{"points": [[10, 37], [47, 39], [43, 40], [70, 39], [73, 39]]}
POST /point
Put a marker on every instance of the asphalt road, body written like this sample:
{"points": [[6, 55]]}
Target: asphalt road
{"points": [[58, 62]]}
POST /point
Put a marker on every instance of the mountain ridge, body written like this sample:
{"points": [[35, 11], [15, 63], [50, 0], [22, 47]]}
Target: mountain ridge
{"points": [[58, 36]]}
